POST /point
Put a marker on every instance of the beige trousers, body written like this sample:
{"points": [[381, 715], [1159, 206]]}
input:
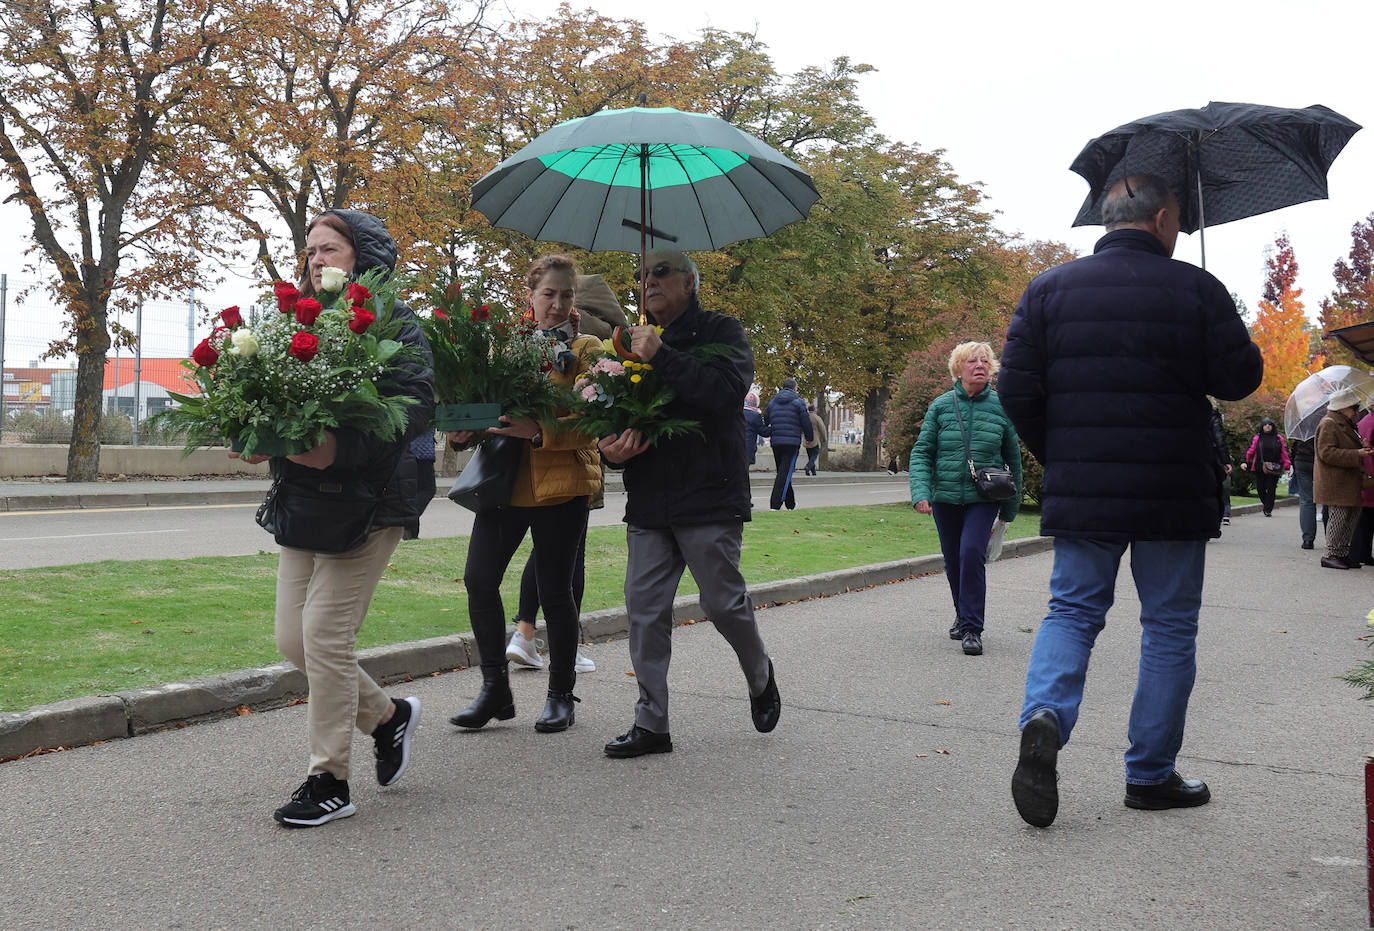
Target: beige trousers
{"points": [[322, 599]]}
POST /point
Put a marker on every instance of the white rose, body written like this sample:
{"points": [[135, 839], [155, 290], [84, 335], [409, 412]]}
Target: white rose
{"points": [[333, 279], [244, 343]]}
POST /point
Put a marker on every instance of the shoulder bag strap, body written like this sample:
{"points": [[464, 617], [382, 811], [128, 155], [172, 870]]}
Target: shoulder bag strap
{"points": [[968, 451]]}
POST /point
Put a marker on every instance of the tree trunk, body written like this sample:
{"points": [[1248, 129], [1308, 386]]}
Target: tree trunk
{"points": [[92, 342], [875, 409]]}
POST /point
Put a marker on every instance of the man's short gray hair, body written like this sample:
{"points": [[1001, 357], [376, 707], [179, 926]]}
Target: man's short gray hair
{"points": [[1137, 201]]}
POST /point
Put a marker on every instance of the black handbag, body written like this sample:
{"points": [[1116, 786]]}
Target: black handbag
{"points": [[994, 484], [487, 480], [320, 513]]}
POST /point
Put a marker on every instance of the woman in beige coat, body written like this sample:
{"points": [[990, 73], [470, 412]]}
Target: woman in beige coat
{"points": [[1339, 475]]}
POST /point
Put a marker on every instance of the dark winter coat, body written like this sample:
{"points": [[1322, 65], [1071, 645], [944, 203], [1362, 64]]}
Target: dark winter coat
{"points": [[789, 419], [754, 427], [1338, 478], [939, 466], [1105, 373], [387, 465], [691, 479]]}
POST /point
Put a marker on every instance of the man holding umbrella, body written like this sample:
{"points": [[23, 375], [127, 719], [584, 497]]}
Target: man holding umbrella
{"points": [[687, 500], [1105, 373]]}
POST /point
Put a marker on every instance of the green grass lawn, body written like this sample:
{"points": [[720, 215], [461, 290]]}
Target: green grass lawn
{"points": [[104, 627]]}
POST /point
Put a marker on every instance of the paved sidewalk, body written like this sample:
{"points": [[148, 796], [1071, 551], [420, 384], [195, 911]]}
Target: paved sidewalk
{"points": [[881, 801]]}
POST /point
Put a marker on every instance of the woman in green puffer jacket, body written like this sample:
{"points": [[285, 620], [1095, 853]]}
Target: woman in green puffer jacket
{"points": [[942, 484]]}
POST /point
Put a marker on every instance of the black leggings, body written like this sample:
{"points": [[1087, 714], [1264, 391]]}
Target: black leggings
{"points": [[529, 584], [1266, 486], [557, 531]]}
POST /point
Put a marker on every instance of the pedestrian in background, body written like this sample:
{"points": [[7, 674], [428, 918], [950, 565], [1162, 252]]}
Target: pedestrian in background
{"points": [[1362, 540], [942, 481], [1303, 453], [1099, 349], [1267, 459], [820, 439], [787, 417], [1218, 427], [754, 427], [323, 597], [1339, 478]]}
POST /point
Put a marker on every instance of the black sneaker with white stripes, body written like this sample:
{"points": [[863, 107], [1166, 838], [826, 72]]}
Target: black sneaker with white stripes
{"points": [[320, 798], [392, 740]]}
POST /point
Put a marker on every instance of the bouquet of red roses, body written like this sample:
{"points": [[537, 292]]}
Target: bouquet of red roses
{"points": [[274, 383], [489, 362]]}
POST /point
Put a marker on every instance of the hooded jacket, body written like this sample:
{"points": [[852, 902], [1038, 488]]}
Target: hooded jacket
{"points": [[1338, 478], [1105, 373], [1267, 448], [788, 418], [691, 479], [387, 465]]}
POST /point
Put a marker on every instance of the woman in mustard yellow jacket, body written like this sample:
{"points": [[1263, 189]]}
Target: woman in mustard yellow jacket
{"points": [[559, 469]]}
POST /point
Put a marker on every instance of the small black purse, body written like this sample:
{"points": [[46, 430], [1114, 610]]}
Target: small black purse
{"points": [[320, 514], [487, 480], [993, 484]]}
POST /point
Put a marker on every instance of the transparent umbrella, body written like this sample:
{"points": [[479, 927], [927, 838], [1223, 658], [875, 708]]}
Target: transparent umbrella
{"points": [[1306, 406]]}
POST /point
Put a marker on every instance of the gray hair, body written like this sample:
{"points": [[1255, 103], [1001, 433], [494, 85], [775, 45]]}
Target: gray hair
{"points": [[696, 274], [1136, 201]]}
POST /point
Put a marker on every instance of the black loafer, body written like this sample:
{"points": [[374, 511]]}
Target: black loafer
{"points": [[973, 644], [1332, 562], [1035, 784], [1174, 792], [766, 707], [1307, 545], [956, 630], [637, 742]]}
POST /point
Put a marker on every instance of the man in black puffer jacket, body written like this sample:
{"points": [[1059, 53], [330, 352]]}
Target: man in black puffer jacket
{"points": [[1105, 373], [687, 501]]}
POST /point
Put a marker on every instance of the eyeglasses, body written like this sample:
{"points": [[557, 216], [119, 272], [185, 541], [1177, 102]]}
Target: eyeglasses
{"points": [[661, 270]]}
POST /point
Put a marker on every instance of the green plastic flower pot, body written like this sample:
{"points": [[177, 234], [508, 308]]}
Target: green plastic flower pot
{"points": [[466, 416], [273, 446]]}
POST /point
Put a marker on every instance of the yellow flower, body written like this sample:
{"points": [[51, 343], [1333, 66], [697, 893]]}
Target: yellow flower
{"points": [[636, 379], [1369, 619], [658, 330], [608, 346]]}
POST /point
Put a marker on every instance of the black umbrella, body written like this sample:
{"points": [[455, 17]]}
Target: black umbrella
{"points": [[1225, 162]]}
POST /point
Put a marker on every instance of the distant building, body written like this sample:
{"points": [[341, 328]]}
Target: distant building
{"points": [[39, 389]]}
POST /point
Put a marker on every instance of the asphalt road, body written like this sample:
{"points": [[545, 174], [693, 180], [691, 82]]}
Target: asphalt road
{"points": [[29, 539]]}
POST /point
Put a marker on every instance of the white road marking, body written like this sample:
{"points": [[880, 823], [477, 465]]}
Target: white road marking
{"points": [[137, 507], [82, 536]]}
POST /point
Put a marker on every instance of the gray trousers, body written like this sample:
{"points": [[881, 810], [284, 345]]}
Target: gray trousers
{"points": [[656, 560]]}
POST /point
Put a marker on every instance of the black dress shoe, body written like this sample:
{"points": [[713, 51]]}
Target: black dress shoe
{"points": [[973, 644], [637, 742], [767, 705], [956, 630], [1174, 792], [557, 714], [1035, 784], [1332, 562], [1307, 544]]}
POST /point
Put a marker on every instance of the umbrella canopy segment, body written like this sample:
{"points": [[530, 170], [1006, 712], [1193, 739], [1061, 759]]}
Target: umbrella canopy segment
{"points": [[1359, 339], [687, 178], [1306, 406], [1226, 161]]}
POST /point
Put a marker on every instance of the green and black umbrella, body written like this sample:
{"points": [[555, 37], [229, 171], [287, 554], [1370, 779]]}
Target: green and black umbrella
{"points": [[622, 180]]}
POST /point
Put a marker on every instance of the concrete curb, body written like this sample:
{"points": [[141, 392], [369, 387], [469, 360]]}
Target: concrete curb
{"points": [[100, 718], [146, 494]]}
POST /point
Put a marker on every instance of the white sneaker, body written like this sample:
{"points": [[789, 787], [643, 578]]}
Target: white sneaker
{"points": [[524, 652], [582, 664]]}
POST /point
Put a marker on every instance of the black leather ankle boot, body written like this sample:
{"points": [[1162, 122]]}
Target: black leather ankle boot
{"points": [[494, 701], [557, 714]]}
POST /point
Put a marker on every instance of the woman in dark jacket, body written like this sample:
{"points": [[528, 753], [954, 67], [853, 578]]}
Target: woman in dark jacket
{"points": [[322, 597], [1267, 458], [754, 427], [942, 485]]}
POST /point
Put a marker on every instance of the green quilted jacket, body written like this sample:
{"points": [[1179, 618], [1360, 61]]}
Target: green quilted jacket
{"points": [[939, 469]]}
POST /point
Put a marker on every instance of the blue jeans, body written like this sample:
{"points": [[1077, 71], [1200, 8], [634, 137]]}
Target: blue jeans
{"points": [[1168, 580], [1307, 507], [964, 530]]}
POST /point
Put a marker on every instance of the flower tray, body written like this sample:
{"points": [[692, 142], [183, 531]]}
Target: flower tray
{"points": [[466, 416]]}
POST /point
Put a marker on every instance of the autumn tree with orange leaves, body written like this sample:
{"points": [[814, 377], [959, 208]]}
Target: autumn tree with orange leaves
{"points": [[98, 144], [1280, 328], [1352, 301]]}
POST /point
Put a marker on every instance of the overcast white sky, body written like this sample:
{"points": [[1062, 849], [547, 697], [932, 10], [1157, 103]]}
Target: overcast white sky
{"points": [[1013, 90]]}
